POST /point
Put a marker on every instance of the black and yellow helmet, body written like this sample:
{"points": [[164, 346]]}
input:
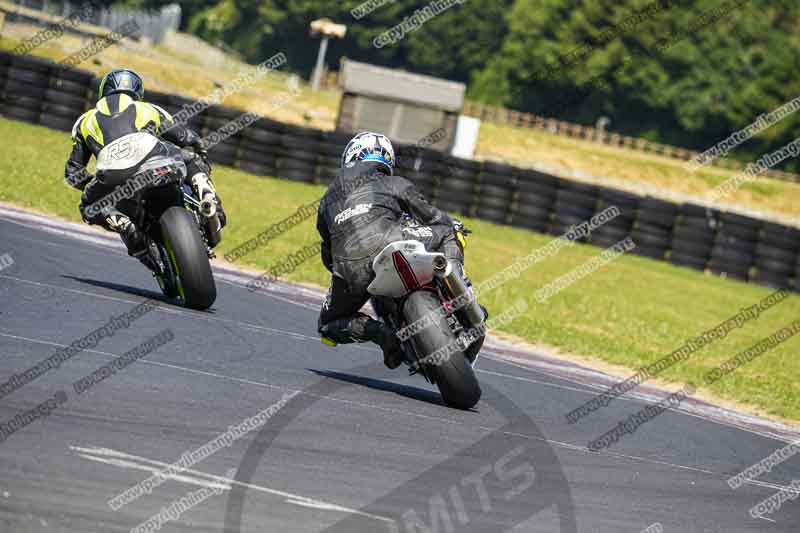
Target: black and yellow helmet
{"points": [[122, 81]]}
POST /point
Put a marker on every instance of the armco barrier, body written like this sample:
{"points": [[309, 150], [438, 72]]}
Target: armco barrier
{"points": [[693, 236]]}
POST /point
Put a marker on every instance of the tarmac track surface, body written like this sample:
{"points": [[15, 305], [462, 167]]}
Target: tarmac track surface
{"points": [[357, 448]]}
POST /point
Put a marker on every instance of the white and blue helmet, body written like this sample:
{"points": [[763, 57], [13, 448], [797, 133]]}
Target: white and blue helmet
{"points": [[368, 146]]}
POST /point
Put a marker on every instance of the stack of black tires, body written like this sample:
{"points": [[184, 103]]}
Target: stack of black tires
{"points": [[688, 235], [26, 80], [4, 61], [575, 203], [618, 228], [330, 155], [652, 233], [297, 160], [180, 106], [693, 236], [496, 192], [797, 275], [226, 151], [454, 181], [66, 98], [432, 170], [535, 196], [776, 256], [734, 249], [456, 185], [260, 148], [37, 90]]}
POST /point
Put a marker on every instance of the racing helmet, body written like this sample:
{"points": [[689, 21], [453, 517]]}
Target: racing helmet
{"points": [[369, 146], [122, 81]]}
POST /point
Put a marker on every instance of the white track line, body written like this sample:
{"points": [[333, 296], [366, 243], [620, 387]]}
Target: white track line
{"points": [[560, 444], [497, 358], [167, 309], [126, 460], [104, 244], [642, 398], [38, 222], [531, 380], [95, 238], [102, 247], [224, 278], [301, 336], [563, 445]]}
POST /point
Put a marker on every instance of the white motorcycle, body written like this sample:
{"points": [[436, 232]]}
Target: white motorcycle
{"points": [[436, 315]]}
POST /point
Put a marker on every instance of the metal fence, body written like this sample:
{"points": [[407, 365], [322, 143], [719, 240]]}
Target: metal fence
{"points": [[688, 235], [153, 25], [519, 119]]}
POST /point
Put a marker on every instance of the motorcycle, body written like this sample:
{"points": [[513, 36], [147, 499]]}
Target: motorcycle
{"points": [[427, 301], [151, 174]]}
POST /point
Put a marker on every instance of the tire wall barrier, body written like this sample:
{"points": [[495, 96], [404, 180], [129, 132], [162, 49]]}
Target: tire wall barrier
{"points": [[692, 236]]}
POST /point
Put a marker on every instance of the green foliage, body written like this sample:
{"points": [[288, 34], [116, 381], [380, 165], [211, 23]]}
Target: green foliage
{"points": [[724, 62], [452, 46], [688, 72]]}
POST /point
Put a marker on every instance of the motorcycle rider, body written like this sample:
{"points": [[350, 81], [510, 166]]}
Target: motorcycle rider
{"points": [[364, 209], [120, 111]]}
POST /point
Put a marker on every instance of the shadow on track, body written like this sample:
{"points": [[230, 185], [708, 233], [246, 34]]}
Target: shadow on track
{"points": [[541, 482], [136, 291], [407, 391]]}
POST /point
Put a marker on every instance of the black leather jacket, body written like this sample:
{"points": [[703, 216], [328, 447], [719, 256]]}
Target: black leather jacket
{"points": [[363, 211]]}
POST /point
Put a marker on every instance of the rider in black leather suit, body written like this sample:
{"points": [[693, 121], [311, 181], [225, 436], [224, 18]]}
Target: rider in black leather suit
{"points": [[120, 111], [365, 209]]}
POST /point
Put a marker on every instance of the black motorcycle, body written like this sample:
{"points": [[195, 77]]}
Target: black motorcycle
{"points": [[148, 176]]}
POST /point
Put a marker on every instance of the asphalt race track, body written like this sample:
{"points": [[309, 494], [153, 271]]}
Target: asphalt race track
{"points": [[356, 448]]}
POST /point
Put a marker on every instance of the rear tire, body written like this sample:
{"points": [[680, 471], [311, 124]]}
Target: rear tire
{"points": [[453, 374], [189, 258]]}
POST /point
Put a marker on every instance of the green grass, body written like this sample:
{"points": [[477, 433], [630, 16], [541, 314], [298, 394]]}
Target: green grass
{"points": [[176, 72], [630, 312], [637, 171], [179, 70]]}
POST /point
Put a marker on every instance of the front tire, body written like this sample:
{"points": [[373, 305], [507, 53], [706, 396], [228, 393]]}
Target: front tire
{"points": [[453, 374], [189, 259]]}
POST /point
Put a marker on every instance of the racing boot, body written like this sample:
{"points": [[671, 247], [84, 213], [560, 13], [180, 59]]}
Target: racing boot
{"points": [[363, 328], [385, 337], [133, 239]]}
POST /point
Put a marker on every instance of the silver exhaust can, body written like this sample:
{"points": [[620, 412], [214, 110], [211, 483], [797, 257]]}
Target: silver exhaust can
{"points": [[457, 291]]}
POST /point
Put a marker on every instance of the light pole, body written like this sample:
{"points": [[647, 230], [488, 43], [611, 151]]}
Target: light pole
{"points": [[327, 28]]}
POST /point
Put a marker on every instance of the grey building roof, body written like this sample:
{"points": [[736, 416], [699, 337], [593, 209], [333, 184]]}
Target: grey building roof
{"points": [[370, 80]]}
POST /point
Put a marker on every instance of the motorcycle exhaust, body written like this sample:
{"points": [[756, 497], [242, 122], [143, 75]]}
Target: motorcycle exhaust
{"points": [[205, 191], [211, 222], [456, 289], [208, 207]]}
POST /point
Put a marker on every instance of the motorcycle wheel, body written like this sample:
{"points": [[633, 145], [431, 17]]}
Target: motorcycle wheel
{"points": [[453, 374], [188, 258]]}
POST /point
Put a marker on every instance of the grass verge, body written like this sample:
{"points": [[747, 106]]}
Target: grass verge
{"points": [[631, 312], [188, 74], [636, 171]]}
